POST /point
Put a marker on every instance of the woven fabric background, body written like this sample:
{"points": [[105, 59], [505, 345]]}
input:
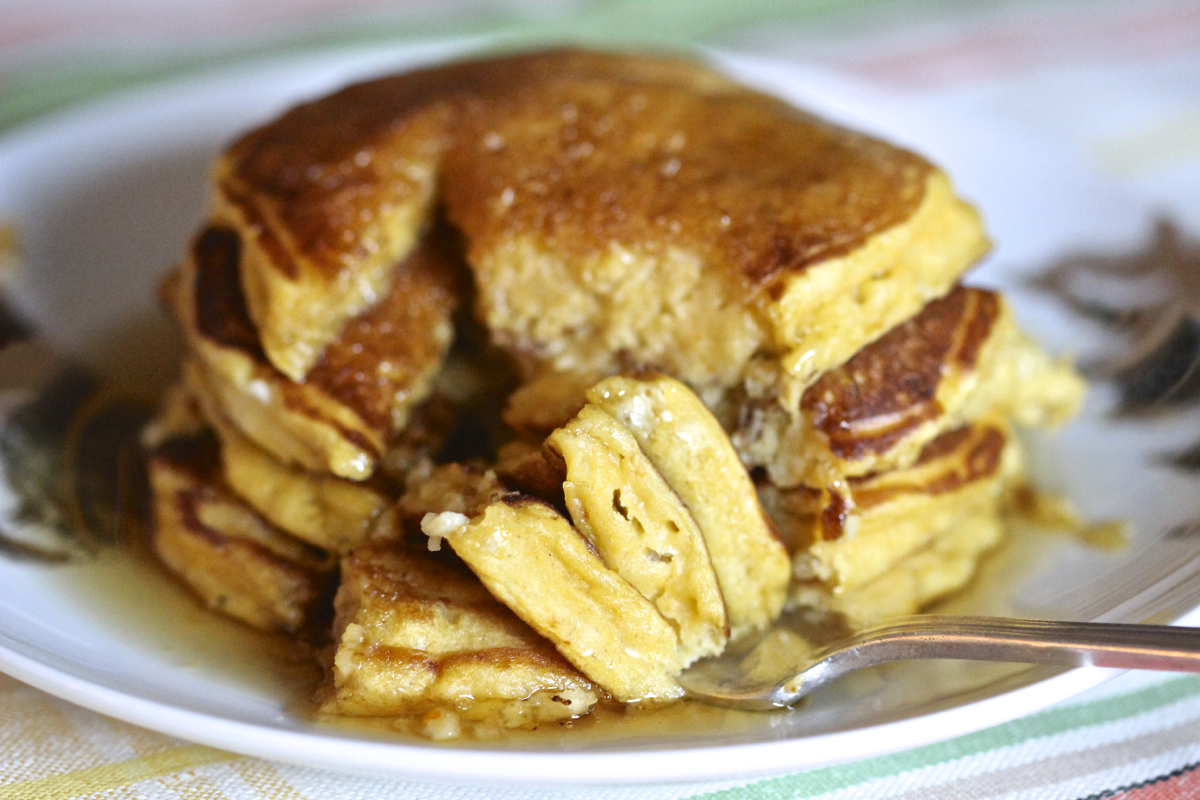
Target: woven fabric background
{"points": [[1137, 737]]}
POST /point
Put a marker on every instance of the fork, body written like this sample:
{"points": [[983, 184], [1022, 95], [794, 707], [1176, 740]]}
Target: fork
{"points": [[723, 680]]}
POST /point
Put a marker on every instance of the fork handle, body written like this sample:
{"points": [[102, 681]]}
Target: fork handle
{"points": [[1026, 641], [1023, 641]]}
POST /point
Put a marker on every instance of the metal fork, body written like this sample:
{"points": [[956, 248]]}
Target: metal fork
{"points": [[723, 680]]}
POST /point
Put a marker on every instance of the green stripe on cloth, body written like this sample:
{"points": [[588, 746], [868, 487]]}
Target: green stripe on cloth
{"points": [[1046, 723], [27, 96]]}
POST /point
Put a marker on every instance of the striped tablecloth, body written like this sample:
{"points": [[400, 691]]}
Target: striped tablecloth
{"points": [[1117, 82], [1136, 737]]}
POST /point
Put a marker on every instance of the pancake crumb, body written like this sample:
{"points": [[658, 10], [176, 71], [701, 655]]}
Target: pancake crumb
{"points": [[438, 526]]}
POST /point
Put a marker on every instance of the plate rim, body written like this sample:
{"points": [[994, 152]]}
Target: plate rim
{"points": [[421, 761]]}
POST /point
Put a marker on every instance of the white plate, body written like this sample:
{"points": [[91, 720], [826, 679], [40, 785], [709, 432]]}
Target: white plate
{"points": [[104, 197]]}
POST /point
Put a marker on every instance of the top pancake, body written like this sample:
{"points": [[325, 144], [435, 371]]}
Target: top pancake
{"points": [[608, 203], [335, 191]]}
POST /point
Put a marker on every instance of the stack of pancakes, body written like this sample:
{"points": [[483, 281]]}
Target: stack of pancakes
{"points": [[682, 283]]}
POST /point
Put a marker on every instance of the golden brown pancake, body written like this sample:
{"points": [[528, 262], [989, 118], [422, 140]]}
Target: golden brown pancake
{"points": [[667, 547], [230, 557], [319, 508], [848, 537], [421, 638], [612, 224], [358, 395], [943, 566], [533, 560], [961, 358], [609, 221], [332, 194], [537, 563], [641, 528], [684, 442], [530, 557]]}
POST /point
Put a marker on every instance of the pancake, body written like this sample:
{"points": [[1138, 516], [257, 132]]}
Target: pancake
{"points": [[609, 204], [360, 393], [421, 638], [230, 557], [641, 528], [531, 559], [336, 191], [961, 358], [666, 544], [574, 276], [844, 539], [685, 443], [322, 509], [943, 566], [614, 225]]}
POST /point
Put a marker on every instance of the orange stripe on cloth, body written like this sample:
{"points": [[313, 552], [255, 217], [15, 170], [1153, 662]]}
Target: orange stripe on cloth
{"points": [[1182, 783]]}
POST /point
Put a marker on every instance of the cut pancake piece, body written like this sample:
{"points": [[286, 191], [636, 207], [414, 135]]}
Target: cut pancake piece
{"points": [[545, 402], [363, 388], [422, 638], [321, 509], [846, 540], [229, 556], [532, 559], [691, 451], [641, 529], [668, 531], [961, 358]]}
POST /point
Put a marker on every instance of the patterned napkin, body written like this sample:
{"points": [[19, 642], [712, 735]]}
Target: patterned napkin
{"points": [[1116, 82]]}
